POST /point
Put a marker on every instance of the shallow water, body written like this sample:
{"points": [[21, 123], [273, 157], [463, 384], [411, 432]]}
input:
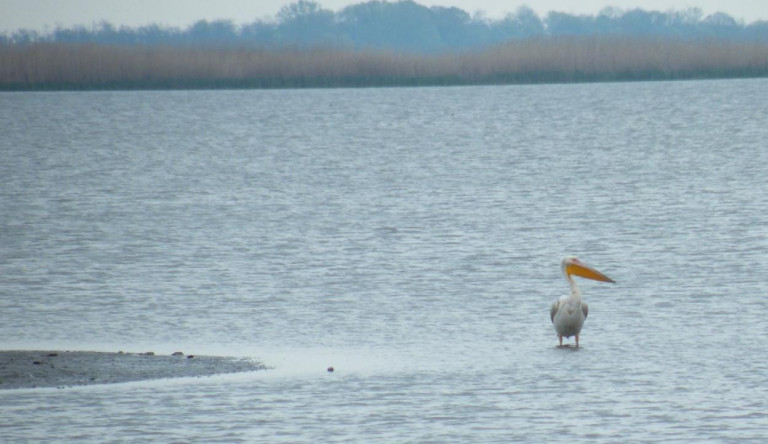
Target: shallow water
{"points": [[410, 238]]}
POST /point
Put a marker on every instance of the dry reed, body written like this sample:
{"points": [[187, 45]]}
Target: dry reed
{"points": [[93, 66]]}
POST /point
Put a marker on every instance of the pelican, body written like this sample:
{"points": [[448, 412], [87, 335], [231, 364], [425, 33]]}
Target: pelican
{"points": [[569, 312]]}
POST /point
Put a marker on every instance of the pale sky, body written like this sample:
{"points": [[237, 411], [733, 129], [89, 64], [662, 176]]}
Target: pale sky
{"points": [[42, 15]]}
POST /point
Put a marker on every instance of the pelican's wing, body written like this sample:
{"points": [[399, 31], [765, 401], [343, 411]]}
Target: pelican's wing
{"points": [[585, 309], [553, 310]]}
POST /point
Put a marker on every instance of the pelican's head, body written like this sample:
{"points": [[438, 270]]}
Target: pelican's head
{"points": [[573, 266]]}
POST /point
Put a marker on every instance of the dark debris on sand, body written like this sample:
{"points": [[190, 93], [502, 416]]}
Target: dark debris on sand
{"points": [[30, 369]]}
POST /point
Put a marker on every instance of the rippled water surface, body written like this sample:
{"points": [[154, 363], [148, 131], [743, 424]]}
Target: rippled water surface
{"points": [[411, 238]]}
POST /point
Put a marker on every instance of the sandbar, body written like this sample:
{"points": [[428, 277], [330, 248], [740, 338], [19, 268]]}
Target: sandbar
{"points": [[53, 368]]}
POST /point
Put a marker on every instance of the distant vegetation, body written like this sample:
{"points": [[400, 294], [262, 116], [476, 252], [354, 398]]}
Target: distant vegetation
{"points": [[406, 26], [383, 43], [89, 66]]}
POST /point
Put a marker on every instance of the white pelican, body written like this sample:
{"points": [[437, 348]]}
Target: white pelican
{"points": [[568, 312]]}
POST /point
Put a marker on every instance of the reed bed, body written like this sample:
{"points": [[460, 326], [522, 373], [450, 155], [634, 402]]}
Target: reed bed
{"points": [[560, 59]]}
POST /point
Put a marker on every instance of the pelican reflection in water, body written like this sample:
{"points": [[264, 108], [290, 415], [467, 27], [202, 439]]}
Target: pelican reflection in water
{"points": [[569, 312]]}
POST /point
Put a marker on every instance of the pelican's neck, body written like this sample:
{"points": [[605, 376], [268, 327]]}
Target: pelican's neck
{"points": [[575, 293]]}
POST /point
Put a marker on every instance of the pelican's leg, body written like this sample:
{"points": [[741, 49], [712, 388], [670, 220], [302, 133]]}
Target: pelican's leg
{"points": [[577, 341], [561, 339]]}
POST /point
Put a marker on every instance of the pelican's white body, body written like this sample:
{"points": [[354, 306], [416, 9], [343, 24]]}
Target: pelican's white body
{"points": [[569, 315]]}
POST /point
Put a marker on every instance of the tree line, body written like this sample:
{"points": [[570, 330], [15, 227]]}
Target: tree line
{"points": [[552, 59], [405, 26]]}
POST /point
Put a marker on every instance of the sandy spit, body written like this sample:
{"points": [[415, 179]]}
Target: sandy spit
{"points": [[35, 368]]}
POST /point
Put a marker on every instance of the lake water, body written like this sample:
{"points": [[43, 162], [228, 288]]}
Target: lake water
{"points": [[411, 238]]}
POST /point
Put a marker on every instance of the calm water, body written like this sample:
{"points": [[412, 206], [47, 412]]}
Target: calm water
{"points": [[411, 238]]}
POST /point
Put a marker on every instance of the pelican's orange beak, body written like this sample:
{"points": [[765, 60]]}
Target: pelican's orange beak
{"points": [[579, 268]]}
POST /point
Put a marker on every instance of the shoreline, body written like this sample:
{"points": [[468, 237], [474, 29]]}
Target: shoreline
{"points": [[203, 85], [21, 369]]}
